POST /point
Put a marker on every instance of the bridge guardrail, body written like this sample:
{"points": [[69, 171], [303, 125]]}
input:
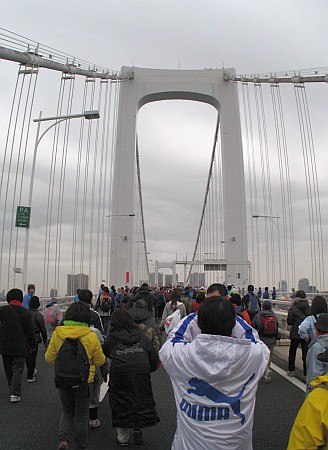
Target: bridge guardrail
{"points": [[63, 302]]}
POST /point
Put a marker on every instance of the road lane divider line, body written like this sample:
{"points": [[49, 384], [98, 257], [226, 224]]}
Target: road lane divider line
{"points": [[292, 380]]}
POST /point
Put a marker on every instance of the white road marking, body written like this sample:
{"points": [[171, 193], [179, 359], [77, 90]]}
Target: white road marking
{"points": [[103, 391], [292, 380]]}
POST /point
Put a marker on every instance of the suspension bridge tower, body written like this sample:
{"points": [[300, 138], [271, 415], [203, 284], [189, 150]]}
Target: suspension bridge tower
{"points": [[206, 86]]}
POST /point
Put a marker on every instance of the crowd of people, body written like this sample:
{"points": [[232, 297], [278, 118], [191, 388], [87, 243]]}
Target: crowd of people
{"points": [[215, 345]]}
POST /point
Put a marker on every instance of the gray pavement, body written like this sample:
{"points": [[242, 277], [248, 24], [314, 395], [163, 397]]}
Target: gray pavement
{"points": [[32, 423]]}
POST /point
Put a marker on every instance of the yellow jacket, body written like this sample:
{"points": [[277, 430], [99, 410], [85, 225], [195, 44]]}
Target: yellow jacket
{"points": [[310, 429], [88, 339]]}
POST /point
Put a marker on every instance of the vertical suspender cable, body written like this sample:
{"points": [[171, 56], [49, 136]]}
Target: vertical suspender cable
{"points": [[288, 191], [283, 188], [102, 177], [206, 191], [99, 196], [268, 178], [253, 171], [316, 191], [311, 185], [249, 171], [261, 134], [23, 166], [108, 181], [14, 192], [77, 183], [93, 188], [9, 169], [62, 186], [307, 180], [85, 184], [51, 191]]}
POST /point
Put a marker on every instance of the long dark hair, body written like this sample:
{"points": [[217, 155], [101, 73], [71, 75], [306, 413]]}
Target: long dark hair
{"points": [[121, 320], [318, 305], [78, 312], [175, 297]]}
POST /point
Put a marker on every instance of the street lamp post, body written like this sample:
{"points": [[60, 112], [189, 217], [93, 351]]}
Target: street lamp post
{"points": [[271, 219], [89, 115]]}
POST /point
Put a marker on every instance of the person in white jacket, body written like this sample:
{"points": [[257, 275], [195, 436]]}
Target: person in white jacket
{"points": [[214, 361]]}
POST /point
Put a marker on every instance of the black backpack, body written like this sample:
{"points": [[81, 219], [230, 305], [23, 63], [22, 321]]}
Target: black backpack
{"points": [[105, 304], [72, 365]]}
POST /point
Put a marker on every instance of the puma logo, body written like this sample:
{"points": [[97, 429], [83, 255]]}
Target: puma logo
{"points": [[203, 389]]}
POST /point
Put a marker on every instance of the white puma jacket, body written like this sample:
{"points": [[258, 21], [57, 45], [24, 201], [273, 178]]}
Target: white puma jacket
{"points": [[215, 380]]}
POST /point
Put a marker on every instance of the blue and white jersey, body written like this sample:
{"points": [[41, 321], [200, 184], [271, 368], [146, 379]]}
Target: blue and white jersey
{"points": [[215, 380]]}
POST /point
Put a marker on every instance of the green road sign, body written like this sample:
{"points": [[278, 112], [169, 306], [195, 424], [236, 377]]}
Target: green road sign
{"points": [[23, 215]]}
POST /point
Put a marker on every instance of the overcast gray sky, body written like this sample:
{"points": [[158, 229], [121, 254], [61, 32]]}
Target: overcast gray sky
{"points": [[253, 37]]}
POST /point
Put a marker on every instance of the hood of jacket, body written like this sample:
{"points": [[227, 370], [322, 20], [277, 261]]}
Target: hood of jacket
{"points": [[144, 291], [73, 331], [322, 380], [302, 304], [224, 356], [140, 314], [126, 337]]}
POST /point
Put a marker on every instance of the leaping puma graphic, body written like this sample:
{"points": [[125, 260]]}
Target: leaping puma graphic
{"points": [[203, 389]]}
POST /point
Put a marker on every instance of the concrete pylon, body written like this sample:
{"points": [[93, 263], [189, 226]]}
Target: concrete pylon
{"points": [[151, 85]]}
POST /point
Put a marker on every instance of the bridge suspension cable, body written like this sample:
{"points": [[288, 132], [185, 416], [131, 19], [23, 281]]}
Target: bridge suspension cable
{"points": [[21, 159], [252, 182], [23, 95], [14, 47], [266, 178], [143, 229], [200, 241], [284, 172], [312, 185]]}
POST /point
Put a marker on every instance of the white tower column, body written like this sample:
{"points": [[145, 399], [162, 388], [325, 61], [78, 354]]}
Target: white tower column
{"points": [[207, 86]]}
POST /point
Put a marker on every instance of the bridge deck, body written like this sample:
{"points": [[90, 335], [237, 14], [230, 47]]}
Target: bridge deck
{"points": [[32, 423]]}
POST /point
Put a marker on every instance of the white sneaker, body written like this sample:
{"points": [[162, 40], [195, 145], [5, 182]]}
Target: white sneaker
{"points": [[291, 373], [31, 380], [14, 398], [94, 423], [35, 372]]}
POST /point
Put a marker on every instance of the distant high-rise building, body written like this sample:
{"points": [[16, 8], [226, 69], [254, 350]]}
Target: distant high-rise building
{"points": [[160, 279], [283, 286], [152, 278], [75, 282], [304, 285], [168, 280], [197, 279], [53, 292]]}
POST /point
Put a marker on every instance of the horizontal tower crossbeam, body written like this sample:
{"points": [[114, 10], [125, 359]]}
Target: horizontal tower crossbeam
{"points": [[31, 59]]}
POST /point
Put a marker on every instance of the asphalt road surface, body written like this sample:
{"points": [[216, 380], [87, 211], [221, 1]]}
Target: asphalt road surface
{"points": [[32, 423]]}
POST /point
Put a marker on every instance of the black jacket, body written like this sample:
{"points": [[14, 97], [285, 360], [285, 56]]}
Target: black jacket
{"points": [[296, 314], [130, 394], [146, 294], [16, 331], [39, 326]]}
